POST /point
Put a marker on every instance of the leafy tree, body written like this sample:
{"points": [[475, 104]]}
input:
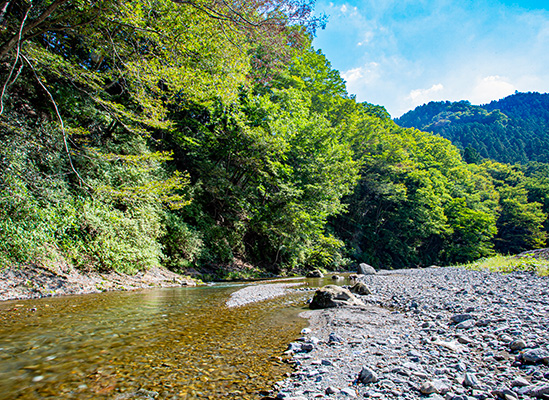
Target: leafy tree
{"points": [[520, 223]]}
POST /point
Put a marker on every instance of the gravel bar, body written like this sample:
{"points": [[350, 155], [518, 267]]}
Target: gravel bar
{"points": [[253, 293], [436, 333]]}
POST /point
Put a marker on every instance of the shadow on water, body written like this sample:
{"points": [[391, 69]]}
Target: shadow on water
{"points": [[180, 343]]}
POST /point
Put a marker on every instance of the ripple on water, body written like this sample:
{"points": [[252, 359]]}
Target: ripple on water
{"points": [[178, 342]]}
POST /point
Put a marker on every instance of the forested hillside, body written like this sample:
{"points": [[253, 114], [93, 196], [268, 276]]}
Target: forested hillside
{"points": [[200, 134], [511, 130]]}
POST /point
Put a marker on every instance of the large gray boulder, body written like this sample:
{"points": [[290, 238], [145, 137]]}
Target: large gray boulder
{"points": [[365, 269], [333, 296], [315, 274]]}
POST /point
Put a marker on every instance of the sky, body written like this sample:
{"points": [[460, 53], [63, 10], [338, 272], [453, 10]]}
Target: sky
{"points": [[404, 53]]}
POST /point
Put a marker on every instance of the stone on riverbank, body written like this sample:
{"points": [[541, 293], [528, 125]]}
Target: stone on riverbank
{"points": [[365, 269], [315, 274], [367, 376], [333, 296], [535, 356], [360, 288]]}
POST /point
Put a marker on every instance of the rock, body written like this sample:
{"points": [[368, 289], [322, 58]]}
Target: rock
{"points": [[434, 386], [353, 277], [519, 382], [470, 380], [333, 296], [307, 347], [333, 338], [315, 274], [465, 339], [348, 392], [467, 324], [517, 345], [296, 347], [454, 346], [427, 388], [365, 269], [367, 376], [337, 277], [360, 288], [535, 356], [331, 390], [504, 393], [541, 391], [457, 318]]}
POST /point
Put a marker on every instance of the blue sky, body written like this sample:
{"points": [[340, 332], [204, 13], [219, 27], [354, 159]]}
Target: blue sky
{"points": [[404, 53]]}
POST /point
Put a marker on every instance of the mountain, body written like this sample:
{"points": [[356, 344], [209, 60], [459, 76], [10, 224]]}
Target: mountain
{"points": [[511, 130]]}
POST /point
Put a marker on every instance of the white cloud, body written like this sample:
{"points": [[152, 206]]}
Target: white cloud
{"points": [[353, 75], [491, 88], [422, 96], [361, 76], [343, 8]]}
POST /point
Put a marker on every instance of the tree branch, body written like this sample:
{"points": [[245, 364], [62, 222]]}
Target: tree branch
{"points": [[60, 121], [7, 46], [15, 62]]}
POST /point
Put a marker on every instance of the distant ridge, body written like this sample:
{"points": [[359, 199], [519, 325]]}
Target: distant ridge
{"points": [[514, 129]]}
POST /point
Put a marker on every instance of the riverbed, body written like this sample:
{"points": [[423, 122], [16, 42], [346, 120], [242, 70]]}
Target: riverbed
{"points": [[168, 343]]}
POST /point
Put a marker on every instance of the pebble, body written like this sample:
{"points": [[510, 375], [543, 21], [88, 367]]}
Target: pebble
{"points": [[517, 345], [367, 376], [535, 356], [519, 382], [348, 392], [331, 390]]}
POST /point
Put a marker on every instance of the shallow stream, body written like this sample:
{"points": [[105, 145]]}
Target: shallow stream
{"points": [[180, 343]]}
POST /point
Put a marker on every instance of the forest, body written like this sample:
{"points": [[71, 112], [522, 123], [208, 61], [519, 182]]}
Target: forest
{"points": [[510, 130], [202, 134]]}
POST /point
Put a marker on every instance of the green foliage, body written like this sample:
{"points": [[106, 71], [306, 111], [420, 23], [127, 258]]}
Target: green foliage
{"points": [[520, 222], [267, 173], [507, 264], [107, 238], [45, 217], [211, 136], [182, 245]]}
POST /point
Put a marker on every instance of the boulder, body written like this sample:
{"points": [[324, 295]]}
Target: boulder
{"points": [[333, 296], [365, 269], [360, 288], [337, 277], [315, 274]]}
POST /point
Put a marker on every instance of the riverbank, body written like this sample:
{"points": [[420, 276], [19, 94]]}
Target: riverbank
{"points": [[31, 281], [445, 333]]}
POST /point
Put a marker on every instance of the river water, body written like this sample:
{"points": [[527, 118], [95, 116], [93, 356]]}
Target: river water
{"points": [[181, 343]]}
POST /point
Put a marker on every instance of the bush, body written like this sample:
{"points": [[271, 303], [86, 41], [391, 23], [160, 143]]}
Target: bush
{"points": [[183, 245]]}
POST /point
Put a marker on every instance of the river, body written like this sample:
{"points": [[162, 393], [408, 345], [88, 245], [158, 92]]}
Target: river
{"points": [[180, 343]]}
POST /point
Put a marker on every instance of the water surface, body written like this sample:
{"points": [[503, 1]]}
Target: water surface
{"points": [[181, 343]]}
